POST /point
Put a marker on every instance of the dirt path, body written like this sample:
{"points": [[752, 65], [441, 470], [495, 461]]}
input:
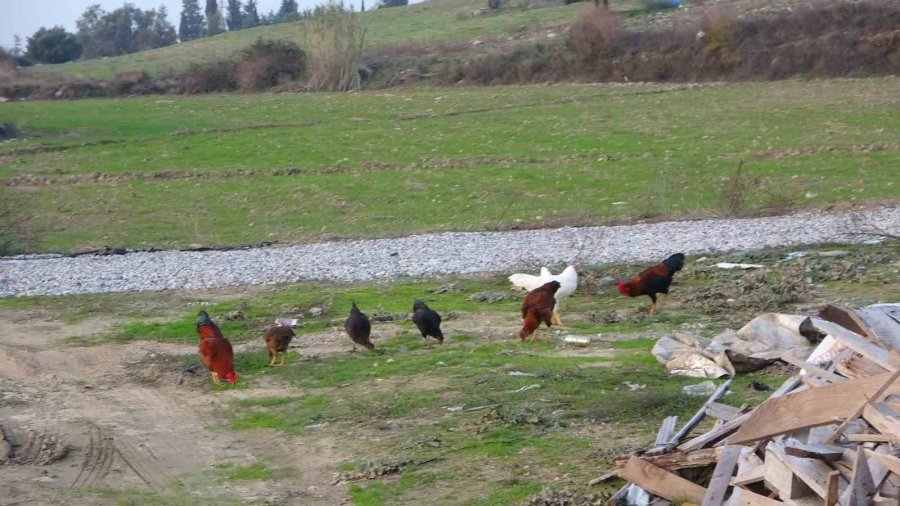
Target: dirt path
{"points": [[111, 417]]}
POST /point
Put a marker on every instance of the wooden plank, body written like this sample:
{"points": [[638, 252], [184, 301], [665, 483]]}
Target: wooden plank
{"points": [[878, 472], [666, 430], [717, 434], [812, 369], [660, 482], [890, 462], [881, 392], [779, 477], [857, 343], [858, 366], [862, 486], [831, 488], [884, 322], [846, 318], [870, 438], [721, 476], [884, 419], [812, 473], [810, 408], [722, 411], [754, 475], [699, 415], [743, 497], [676, 460], [827, 453]]}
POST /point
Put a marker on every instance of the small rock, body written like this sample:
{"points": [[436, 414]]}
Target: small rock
{"points": [[316, 311], [634, 387], [705, 389]]}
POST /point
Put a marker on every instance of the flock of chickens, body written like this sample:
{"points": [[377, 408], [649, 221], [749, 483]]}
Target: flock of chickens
{"points": [[545, 292]]}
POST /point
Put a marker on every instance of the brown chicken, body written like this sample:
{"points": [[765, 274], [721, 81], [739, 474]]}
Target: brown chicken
{"points": [[358, 328], [206, 328], [218, 356], [653, 282], [537, 308], [277, 340]]}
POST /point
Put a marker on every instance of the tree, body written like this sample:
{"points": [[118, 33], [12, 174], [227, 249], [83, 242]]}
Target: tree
{"points": [[163, 31], [215, 23], [191, 26], [288, 11], [17, 46], [392, 3], [55, 45], [235, 18], [251, 16]]}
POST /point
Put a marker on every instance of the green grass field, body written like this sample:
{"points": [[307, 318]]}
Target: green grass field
{"points": [[431, 22], [226, 169]]}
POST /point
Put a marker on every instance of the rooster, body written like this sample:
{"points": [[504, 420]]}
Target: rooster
{"points": [[277, 340], [218, 356], [427, 320], [206, 328], [359, 328], [537, 308], [568, 281], [653, 281]]}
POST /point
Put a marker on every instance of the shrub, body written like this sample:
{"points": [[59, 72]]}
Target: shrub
{"points": [[594, 34], [336, 38], [209, 77], [268, 63], [55, 45]]}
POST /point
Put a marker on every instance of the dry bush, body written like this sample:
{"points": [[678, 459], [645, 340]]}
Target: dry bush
{"points": [[209, 77], [594, 34], [336, 39], [722, 29], [268, 63]]}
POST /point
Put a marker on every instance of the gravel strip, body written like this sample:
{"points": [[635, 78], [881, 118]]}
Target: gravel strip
{"points": [[428, 254]]}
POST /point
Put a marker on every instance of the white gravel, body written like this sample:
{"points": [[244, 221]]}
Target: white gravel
{"points": [[428, 254]]}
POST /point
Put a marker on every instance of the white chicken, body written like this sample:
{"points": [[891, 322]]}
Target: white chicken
{"points": [[568, 282]]}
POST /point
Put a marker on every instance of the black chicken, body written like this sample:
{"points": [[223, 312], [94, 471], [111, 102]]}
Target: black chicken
{"points": [[428, 321], [359, 328]]}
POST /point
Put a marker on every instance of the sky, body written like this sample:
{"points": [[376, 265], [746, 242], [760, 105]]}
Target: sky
{"points": [[24, 17]]}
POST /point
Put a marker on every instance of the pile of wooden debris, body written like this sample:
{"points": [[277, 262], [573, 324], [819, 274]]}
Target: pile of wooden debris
{"points": [[826, 435]]}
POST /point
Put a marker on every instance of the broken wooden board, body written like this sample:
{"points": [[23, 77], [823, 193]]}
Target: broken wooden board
{"points": [[813, 473], [883, 417], [846, 318], [827, 453], [721, 476], [884, 322], [812, 369], [809, 408], [858, 366], [660, 482], [716, 434], [857, 343], [666, 430], [677, 459], [743, 497], [780, 477]]}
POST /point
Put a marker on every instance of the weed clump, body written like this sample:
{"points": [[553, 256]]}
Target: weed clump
{"points": [[268, 63]]}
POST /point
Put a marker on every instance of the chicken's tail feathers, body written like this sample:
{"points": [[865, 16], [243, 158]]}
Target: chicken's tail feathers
{"points": [[526, 282], [675, 262]]}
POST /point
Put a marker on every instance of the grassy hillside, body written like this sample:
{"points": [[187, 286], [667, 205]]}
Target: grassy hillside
{"points": [[169, 172], [429, 22]]}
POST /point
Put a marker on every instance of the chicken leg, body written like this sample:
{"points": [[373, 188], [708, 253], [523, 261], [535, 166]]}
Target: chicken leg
{"points": [[554, 319], [534, 335], [662, 300], [283, 358], [215, 377], [272, 362]]}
